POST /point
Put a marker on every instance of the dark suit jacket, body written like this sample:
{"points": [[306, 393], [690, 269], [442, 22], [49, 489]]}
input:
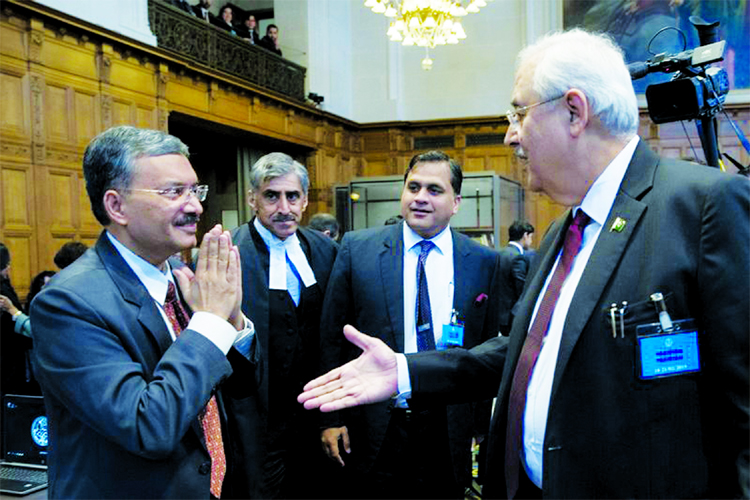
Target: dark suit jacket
{"points": [[248, 400], [267, 43], [513, 269], [366, 290], [122, 398], [610, 434]]}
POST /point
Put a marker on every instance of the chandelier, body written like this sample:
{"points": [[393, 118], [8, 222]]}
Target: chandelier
{"points": [[426, 23]]}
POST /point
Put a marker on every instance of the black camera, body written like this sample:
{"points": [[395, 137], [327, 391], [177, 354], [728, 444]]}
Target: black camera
{"points": [[695, 91]]}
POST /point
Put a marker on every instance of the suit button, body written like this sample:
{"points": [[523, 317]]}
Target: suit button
{"points": [[290, 331], [288, 316], [204, 469], [289, 348]]}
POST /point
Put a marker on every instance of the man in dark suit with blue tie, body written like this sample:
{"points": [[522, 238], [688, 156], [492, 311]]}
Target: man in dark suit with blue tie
{"points": [[418, 285], [131, 352], [626, 373]]}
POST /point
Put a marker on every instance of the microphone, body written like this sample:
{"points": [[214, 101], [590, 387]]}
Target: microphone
{"points": [[638, 70]]}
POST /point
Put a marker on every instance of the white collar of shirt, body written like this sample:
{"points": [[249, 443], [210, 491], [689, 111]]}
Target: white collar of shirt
{"points": [[155, 281], [279, 250], [517, 245], [601, 195], [443, 240], [597, 204]]}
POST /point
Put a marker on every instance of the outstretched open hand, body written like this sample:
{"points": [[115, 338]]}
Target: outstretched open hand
{"points": [[370, 378]]}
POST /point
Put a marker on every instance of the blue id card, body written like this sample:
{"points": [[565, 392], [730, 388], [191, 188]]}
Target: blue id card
{"points": [[666, 354], [453, 336]]}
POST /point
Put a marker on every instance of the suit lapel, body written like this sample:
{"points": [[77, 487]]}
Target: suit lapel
{"points": [[463, 261], [391, 261], [607, 252], [133, 292]]}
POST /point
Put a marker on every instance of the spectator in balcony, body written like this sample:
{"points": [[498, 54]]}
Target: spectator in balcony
{"points": [[249, 30], [184, 6], [203, 11], [224, 21], [271, 40]]}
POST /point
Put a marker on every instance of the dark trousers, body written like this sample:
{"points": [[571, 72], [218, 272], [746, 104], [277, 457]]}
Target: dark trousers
{"points": [[414, 460]]}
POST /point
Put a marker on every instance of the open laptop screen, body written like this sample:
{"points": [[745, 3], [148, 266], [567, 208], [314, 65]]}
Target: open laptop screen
{"points": [[25, 436]]}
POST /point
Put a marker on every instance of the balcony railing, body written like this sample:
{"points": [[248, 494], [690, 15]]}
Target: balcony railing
{"points": [[196, 39]]}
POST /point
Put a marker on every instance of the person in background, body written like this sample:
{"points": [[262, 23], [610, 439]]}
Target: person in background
{"points": [[421, 286], [326, 224], [69, 252], [271, 40], [626, 373], [515, 266], [131, 353], [16, 375], [22, 323], [250, 30], [203, 11], [225, 20], [285, 274]]}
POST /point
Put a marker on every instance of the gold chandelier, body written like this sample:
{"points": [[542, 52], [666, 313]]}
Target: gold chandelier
{"points": [[426, 23]]}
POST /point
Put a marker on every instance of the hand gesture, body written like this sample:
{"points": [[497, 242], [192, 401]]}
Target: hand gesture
{"points": [[329, 439], [216, 285], [370, 378], [7, 305]]}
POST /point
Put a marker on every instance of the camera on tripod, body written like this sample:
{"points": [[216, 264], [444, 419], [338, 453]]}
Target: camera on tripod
{"points": [[695, 91]]}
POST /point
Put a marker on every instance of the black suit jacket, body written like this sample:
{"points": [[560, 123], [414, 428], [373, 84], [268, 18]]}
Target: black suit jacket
{"points": [[513, 268], [122, 398], [366, 290], [610, 434], [247, 390]]}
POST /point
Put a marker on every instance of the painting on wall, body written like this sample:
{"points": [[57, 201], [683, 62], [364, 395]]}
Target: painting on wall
{"points": [[633, 24]]}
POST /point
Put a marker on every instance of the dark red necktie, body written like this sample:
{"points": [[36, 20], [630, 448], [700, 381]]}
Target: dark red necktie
{"points": [[530, 352], [209, 417]]}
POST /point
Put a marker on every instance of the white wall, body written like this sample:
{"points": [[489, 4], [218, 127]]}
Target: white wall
{"points": [[129, 17]]}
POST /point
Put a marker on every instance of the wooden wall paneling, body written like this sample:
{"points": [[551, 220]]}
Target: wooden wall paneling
{"points": [[17, 221], [68, 54], [187, 93], [15, 113], [22, 260], [14, 36]]}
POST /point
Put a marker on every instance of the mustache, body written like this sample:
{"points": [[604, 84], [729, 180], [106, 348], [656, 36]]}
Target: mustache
{"points": [[284, 218], [187, 219], [520, 153]]}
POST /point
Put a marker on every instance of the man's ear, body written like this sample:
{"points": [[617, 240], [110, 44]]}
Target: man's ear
{"points": [[251, 199], [578, 107], [114, 205]]}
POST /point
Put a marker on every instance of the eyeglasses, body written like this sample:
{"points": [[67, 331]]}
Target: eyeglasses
{"points": [[516, 116], [176, 192]]}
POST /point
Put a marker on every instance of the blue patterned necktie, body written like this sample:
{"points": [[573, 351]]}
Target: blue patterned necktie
{"points": [[425, 335]]}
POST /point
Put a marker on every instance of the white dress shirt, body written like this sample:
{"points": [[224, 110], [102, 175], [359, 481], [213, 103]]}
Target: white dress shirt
{"points": [[596, 204], [439, 272], [220, 332]]}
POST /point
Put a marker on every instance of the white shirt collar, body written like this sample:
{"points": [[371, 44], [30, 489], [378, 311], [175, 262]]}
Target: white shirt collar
{"points": [[601, 195], [280, 249], [517, 245], [155, 281], [443, 240]]}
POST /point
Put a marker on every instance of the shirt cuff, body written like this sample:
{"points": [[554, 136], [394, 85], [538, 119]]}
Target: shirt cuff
{"points": [[219, 331], [404, 383], [244, 342]]}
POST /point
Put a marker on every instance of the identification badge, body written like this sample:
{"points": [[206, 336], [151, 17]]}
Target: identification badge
{"points": [[667, 353], [453, 334]]}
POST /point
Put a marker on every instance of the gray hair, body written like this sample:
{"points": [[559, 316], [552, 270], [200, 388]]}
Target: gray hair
{"points": [[275, 165], [592, 63], [109, 161]]}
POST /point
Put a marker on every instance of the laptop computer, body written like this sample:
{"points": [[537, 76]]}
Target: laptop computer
{"points": [[23, 468]]}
